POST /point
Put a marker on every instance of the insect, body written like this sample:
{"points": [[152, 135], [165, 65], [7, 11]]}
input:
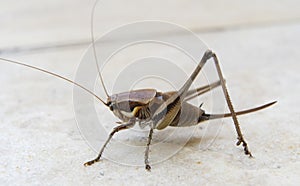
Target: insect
{"points": [[162, 109]]}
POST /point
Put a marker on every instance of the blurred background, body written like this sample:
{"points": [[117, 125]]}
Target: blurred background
{"points": [[258, 46]]}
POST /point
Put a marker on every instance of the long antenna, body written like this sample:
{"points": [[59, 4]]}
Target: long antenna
{"points": [[56, 75], [94, 48]]}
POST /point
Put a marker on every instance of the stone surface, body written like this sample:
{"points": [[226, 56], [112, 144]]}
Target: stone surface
{"points": [[258, 49]]}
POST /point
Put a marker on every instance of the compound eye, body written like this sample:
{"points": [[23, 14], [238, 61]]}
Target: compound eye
{"points": [[111, 106]]}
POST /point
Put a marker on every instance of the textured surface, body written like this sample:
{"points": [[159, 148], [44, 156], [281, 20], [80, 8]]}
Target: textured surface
{"points": [[259, 52]]}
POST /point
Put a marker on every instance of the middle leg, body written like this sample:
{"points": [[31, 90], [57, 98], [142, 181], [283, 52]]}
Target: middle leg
{"points": [[147, 166]]}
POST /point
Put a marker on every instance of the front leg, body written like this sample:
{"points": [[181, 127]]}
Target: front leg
{"points": [[116, 129]]}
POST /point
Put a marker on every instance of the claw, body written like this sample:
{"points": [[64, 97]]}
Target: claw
{"points": [[148, 168], [246, 150], [89, 163]]}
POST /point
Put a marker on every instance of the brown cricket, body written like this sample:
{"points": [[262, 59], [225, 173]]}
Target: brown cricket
{"points": [[162, 109]]}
